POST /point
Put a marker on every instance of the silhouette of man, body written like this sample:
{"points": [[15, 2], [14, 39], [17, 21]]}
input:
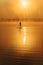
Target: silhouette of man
{"points": [[20, 24]]}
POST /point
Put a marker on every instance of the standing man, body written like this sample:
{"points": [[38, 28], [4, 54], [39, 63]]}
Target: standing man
{"points": [[20, 25]]}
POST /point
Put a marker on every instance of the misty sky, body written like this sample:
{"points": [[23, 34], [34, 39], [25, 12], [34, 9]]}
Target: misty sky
{"points": [[12, 9]]}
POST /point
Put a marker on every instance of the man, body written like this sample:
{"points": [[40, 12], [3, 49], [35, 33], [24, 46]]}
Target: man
{"points": [[20, 25]]}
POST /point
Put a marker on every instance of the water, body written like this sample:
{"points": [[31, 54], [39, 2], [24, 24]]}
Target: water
{"points": [[21, 46]]}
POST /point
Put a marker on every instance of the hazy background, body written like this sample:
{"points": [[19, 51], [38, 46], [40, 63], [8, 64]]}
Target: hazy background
{"points": [[12, 9]]}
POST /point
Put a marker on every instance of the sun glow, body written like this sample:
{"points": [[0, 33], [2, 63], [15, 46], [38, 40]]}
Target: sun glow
{"points": [[24, 3], [22, 8]]}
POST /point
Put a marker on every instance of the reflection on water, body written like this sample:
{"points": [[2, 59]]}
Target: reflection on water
{"points": [[21, 46], [24, 39], [24, 35]]}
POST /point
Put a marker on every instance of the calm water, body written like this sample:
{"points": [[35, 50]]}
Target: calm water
{"points": [[21, 46]]}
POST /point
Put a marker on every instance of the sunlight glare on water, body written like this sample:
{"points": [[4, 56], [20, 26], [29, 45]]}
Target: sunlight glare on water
{"points": [[24, 39], [24, 35]]}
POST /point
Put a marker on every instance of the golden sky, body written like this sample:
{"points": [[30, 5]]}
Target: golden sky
{"points": [[21, 8]]}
